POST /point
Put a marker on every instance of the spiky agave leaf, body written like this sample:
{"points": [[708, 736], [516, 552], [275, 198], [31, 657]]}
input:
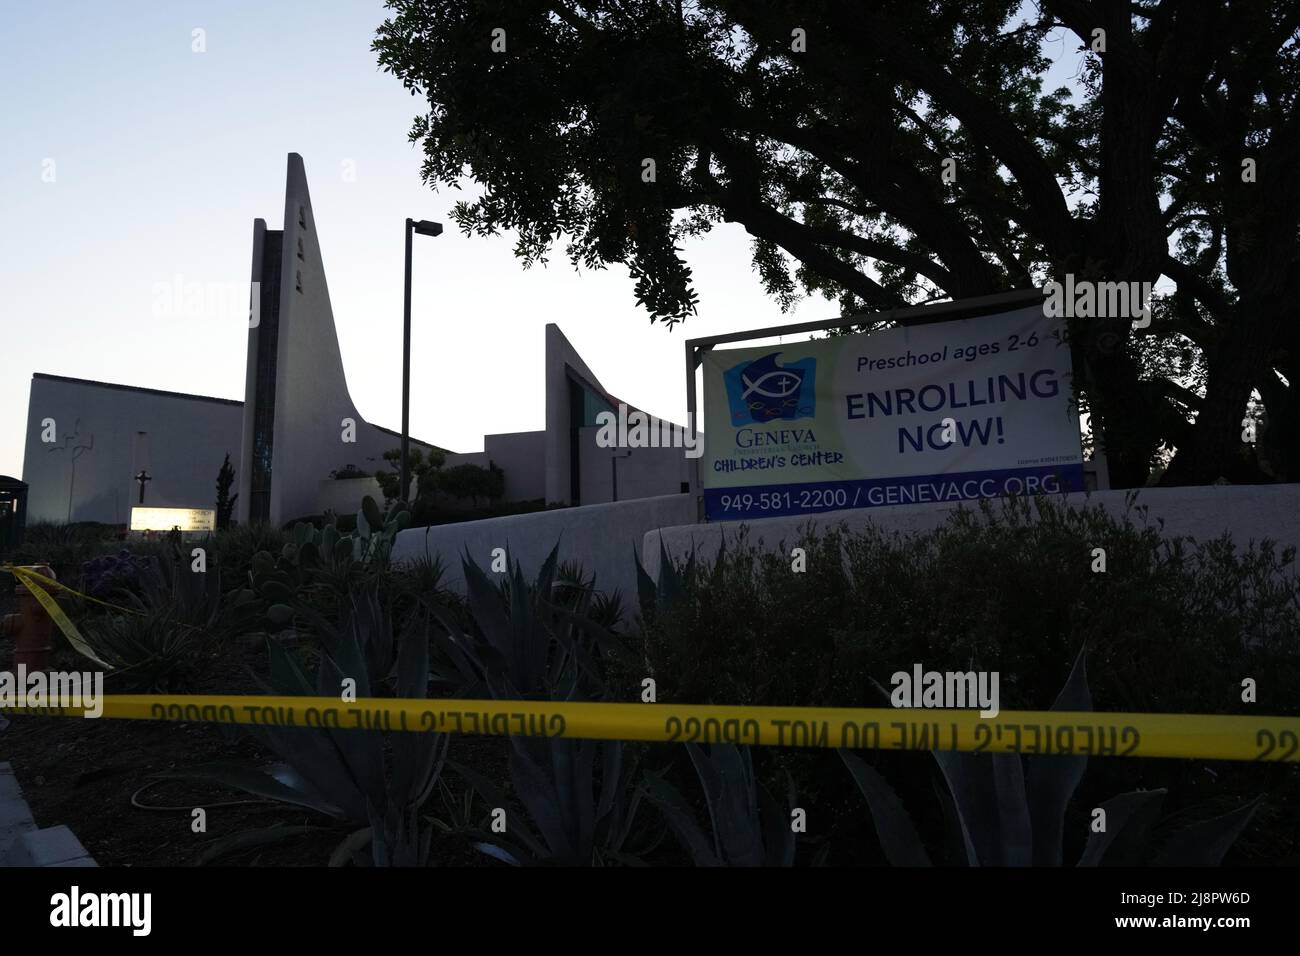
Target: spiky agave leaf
{"points": [[748, 827], [897, 834], [677, 814], [1052, 780], [1129, 818], [1206, 843]]}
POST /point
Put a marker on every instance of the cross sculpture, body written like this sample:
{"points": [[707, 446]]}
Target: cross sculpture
{"points": [[142, 478]]}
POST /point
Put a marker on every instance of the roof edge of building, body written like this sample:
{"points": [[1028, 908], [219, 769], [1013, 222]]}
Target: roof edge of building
{"points": [[418, 441], [134, 388]]}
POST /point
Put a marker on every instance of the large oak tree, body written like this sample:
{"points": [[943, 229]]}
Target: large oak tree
{"points": [[823, 129]]}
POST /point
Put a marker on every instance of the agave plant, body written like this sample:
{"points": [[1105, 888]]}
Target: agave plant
{"points": [[659, 599], [530, 643], [572, 584], [580, 798], [174, 627], [1007, 816], [198, 599], [369, 779], [747, 827], [525, 643], [422, 580], [151, 652]]}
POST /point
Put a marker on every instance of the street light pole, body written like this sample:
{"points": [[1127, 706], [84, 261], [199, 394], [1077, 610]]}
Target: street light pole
{"points": [[424, 228], [405, 481]]}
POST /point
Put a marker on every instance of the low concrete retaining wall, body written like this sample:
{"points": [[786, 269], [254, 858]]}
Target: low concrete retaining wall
{"points": [[1247, 512], [603, 538]]}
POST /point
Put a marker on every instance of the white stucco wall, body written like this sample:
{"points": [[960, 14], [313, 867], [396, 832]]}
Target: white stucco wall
{"points": [[343, 496], [186, 439], [1248, 512], [311, 395], [561, 359], [522, 456], [312, 400], [602, 538], [642, 472]]}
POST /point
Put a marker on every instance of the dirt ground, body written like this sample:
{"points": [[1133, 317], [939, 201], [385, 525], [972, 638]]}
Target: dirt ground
{"points": [[97, 777]]}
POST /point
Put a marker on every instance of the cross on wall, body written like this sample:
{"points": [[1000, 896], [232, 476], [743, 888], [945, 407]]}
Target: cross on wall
{"points": [[141, 478]]}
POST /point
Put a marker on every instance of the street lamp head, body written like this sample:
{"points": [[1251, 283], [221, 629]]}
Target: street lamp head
{"points": [[426, 228]]}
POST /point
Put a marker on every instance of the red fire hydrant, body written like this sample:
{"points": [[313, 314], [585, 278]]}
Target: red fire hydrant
{"points": [[31, 628]]}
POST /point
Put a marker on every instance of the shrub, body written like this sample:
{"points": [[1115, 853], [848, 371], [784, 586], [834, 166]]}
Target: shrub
{"points": [[175, 624], [473, 482], [424, 469], [1169, 626], [347, 472], [66, 547], [1173, 625]]}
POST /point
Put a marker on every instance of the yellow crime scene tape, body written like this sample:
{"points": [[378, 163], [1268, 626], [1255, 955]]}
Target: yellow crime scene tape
{"points": [[1197, 736], [37, 584], [1274, 739]]}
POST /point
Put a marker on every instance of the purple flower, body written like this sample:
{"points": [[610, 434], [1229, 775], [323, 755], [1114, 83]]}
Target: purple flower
{"points": [[103, 576]]}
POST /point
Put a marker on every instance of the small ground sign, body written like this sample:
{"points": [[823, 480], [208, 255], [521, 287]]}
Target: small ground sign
{"points": [[165, 519]]}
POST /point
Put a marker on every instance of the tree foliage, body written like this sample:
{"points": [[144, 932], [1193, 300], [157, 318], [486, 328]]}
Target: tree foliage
{"points": [[823, 129], [424, 469], [473, 482], [225, 500]]}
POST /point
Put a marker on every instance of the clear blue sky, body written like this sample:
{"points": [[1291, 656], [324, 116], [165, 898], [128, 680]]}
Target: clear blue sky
{"points": [[162, 157]]}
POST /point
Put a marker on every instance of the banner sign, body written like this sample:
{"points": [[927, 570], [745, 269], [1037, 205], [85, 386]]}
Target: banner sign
{"points": [[972, 408]]}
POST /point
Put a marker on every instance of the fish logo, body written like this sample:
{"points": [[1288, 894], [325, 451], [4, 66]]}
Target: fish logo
{"points": [[762, 391]]}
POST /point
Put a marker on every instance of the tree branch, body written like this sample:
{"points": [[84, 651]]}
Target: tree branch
{"points": [[1195, 284]]}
